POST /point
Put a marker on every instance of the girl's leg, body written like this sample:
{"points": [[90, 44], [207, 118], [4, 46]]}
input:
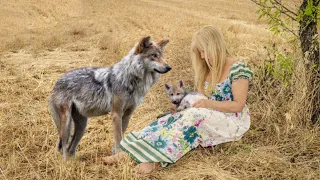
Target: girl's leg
{"points": [[146, 168], [114, 158], [166, 140]]}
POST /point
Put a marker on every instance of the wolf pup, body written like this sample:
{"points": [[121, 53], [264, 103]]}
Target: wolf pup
{"points": [[181, 97], [93, 91]]}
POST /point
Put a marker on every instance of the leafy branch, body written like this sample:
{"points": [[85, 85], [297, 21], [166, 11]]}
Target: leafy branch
{"points": [[273, 10], [275, 4]]}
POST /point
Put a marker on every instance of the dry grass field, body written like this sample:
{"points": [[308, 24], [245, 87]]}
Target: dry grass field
{"points": [[41, 40]]}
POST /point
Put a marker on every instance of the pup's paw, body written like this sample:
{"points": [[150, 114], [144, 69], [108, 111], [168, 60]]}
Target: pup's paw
{"points": [[173, 110]]}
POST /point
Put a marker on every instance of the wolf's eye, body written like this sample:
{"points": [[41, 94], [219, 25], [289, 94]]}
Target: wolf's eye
{"points": [[178, 94], [154, 55], [171, 94]]}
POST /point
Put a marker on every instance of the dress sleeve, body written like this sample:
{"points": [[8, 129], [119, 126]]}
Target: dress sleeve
{"points": [[240, 71]]}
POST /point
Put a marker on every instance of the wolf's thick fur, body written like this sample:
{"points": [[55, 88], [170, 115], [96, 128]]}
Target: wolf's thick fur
{"points": [[118, 89]]}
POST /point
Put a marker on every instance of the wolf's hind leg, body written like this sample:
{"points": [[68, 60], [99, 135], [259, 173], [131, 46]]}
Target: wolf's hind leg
{"points": [[80, 124], [65, 128], [55, 113]]}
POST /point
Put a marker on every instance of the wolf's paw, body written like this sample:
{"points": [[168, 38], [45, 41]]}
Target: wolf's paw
{"points": [[71, 153]]}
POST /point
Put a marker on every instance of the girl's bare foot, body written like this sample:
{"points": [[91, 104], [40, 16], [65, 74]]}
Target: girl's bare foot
{"points": [[114, 158], [145, 168]]}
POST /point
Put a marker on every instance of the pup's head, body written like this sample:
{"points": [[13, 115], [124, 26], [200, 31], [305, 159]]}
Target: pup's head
{"points": [[175, 92], [152, 54]]}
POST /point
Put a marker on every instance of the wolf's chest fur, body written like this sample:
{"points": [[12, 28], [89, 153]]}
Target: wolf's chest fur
{"points": [[132, 86]]}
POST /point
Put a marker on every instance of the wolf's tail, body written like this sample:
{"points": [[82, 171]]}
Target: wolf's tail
{"points": [[56, 119]]}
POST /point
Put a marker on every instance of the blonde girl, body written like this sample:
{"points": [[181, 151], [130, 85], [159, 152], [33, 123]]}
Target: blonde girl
{"points": [[224, 117]]}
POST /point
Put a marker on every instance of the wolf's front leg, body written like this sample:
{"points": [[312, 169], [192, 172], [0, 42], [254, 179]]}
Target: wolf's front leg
{"points": [[117, 132], [126, 117], [117, 114]]}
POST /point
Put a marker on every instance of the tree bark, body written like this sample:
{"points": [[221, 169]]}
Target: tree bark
{"points": [[310, 49]]}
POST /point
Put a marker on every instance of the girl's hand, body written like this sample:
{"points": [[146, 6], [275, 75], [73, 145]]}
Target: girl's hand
{"points": [[203, 103]]}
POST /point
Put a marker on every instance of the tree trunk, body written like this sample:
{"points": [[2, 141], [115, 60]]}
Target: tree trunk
{"points": [[310, 49]]}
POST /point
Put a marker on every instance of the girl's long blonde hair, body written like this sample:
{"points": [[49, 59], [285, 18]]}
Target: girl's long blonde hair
{"points": [[210, 40]]}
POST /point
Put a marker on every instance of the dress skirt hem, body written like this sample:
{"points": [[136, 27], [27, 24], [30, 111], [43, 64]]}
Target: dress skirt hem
{"points": [[142, 151]]}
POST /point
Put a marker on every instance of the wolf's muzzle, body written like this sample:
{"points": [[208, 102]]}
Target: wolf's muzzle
{"points": [[164, 70], [168, 68], [176, 102]]}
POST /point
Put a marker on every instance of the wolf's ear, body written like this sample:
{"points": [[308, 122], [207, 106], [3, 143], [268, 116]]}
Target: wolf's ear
{"points": [[180, 84], [143, 44], [167, 86], [163, 43]]}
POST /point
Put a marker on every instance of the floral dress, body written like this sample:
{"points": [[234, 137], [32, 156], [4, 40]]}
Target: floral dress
{"points": [[170, 137]]}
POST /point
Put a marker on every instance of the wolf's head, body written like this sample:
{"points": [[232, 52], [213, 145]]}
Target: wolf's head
{"points": [[152, 55], [175, 92]]}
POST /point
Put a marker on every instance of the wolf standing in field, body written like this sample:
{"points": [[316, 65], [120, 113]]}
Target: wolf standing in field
{"points": [[223, 117], [118, 89]]}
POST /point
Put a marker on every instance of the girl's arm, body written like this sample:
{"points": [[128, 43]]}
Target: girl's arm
{"points": [[239, 92]]}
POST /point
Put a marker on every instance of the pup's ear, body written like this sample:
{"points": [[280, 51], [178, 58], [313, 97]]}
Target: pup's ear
{"points": [[143, 44], [167, 86], [163, 43], [180, 83]]}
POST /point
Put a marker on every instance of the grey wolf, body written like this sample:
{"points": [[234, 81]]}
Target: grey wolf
{"points": [[181, 97], [93, 91]]}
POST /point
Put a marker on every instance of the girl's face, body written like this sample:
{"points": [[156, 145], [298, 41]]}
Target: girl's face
{"points": [[201, 52]]}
